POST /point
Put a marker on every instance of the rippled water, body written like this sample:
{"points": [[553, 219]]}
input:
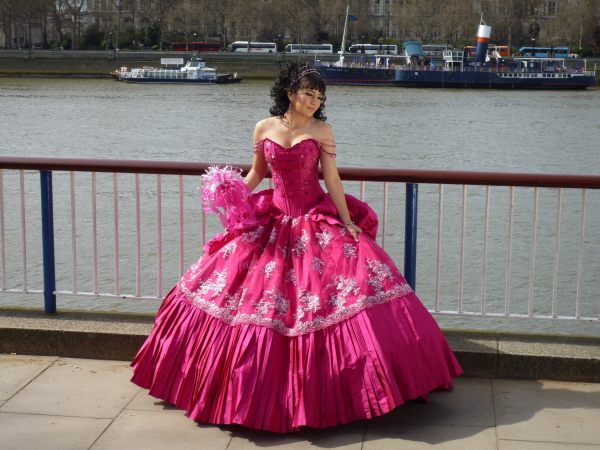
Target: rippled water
{"points": [[375, 127]]}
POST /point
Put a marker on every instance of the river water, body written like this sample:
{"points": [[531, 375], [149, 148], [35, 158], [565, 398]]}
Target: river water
{"points": [[516, 131]]}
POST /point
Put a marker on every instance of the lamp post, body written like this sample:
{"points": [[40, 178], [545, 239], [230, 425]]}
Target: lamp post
{"points": [[194, 48]]}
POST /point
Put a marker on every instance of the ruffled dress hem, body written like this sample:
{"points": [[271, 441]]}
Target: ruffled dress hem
{"points": [[256, 377]]}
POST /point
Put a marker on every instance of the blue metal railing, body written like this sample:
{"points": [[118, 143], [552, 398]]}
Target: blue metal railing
{"points": [[48, 241], [411, 179]]}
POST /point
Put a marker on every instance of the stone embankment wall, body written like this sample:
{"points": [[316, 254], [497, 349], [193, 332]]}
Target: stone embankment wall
{"points": [[102, 63]]}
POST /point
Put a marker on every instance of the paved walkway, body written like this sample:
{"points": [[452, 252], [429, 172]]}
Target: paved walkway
{"points": [[60, 403]]}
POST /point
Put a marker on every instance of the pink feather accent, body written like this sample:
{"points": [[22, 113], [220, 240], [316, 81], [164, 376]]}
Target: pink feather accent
{"points": [[225, 194]]}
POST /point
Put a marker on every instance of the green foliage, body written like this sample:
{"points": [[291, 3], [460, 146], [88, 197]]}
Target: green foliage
{"points": [[129, 39], [93, 38], [152, 35]]}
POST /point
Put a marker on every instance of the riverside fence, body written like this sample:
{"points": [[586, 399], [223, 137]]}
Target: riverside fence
{"points": [[472, 243]]}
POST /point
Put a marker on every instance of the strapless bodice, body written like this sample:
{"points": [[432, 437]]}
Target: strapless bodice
{"points": [[295, 172]]}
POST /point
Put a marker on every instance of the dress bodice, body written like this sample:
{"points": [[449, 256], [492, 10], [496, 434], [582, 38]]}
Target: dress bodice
{"points": [[295, 172]]}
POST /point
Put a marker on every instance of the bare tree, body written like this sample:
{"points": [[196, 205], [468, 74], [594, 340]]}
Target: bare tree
{"points": [[457, 22], [156, 12], [575, 24], [300, 18], [73, 9], [221, 14], [57, 13], [418, 20], [118, 7], [333, 14]]}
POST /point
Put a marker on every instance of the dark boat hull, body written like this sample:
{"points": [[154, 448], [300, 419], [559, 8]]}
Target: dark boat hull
{"points": [[225, 80], [470, 79]]}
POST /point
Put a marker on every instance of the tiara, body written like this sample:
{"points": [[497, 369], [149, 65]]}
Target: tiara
{"points": [[306, 70]]}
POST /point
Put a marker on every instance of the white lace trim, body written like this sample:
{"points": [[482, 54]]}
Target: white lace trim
{"points": [[309, 302]]}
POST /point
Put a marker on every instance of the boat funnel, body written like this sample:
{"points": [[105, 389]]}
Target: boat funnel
{"points": [[483, 39], [413, 52]]}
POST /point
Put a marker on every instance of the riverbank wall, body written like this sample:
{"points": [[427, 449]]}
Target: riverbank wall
{"points": [[100, 64], [119, 336]]}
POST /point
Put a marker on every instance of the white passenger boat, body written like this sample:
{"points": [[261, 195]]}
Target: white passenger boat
{"points": [[194, 71]]}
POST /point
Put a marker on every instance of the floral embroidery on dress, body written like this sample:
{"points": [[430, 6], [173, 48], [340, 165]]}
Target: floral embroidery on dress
{"points": [[318, 264], [381, 271], [263, 306], [273, 236], [324, 238], [290, 276], [252, 236], [296, 221], [281, 304], [270, 268], [300, 244], [350, 251], [235, 301], [215, 283], [344, 287], [307, 302], [228, 249]]}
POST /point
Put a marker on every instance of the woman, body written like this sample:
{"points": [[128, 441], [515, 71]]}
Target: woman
{"points": [[295, 317]]}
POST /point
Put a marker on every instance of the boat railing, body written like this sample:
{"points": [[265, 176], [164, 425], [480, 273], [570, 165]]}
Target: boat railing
{"points": [[489, 244], [493, 68]]}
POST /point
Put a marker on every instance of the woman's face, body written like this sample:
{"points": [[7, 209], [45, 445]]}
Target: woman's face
{"points": [[306, 102]]}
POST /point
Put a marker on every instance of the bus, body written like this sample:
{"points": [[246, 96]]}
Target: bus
{"points": [[374, 49], [435, 50], [253, 47], [309, 48], [197, 46], [545, 52]]}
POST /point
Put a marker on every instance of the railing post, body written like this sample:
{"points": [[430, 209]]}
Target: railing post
{"points": [[410, 233], [48, 241]]}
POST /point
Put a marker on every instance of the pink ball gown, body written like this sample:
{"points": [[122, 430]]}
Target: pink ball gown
{"points": [[290, 322]]}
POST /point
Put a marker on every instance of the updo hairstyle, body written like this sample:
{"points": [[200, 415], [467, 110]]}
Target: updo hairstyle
{"points": [[290, 79]]}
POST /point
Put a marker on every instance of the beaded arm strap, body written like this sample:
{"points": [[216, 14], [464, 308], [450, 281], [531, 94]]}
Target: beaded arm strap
{"points": [[328, 147], [258, 147]]}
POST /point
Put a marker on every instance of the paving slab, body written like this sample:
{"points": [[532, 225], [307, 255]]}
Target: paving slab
{"points": [[35, 432], [416, 437], [146, 430], [144, 402], [346, 437], [77, 387], [530, 445], [548, 411], [18, 370], [470, 403]]}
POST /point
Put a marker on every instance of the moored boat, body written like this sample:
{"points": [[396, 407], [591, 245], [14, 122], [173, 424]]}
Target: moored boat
{"points": [[411, 69], [518, 73], [194, 71]]}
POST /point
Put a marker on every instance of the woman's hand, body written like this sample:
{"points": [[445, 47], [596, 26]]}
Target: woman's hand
{"points": [[354, 230]]}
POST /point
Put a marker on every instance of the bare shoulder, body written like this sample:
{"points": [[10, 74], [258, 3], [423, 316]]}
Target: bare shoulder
{"points": [[322, 131], [263, 127]]}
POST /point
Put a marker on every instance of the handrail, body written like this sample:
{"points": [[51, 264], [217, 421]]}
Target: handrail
{"points": [[347, 173]]}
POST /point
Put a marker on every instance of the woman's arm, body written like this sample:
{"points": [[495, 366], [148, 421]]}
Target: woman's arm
{"points": [[334, 183], [259, 163]]}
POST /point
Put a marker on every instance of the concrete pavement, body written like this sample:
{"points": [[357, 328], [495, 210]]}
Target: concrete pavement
{"points": [[65, 403]]}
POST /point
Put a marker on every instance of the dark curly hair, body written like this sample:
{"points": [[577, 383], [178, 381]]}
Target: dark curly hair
{"points": [[288, 80]]}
